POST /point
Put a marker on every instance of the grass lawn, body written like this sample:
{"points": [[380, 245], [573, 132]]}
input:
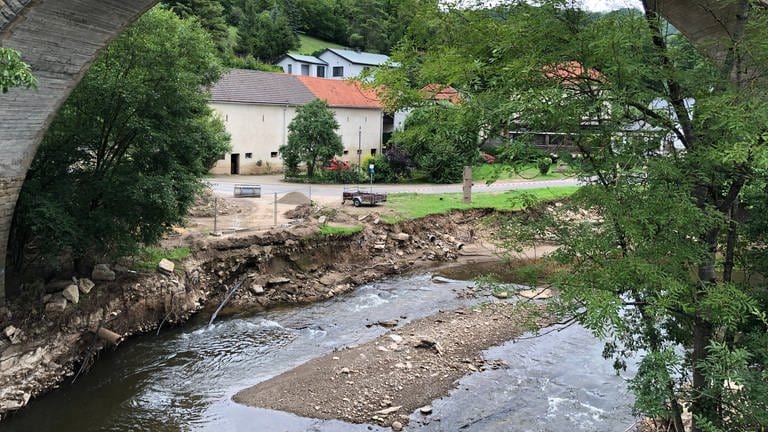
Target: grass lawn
{"points": [[330, 230], [414, 205], [310, 45], [482, 173]]}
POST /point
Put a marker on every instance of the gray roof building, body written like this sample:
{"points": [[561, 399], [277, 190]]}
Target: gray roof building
{"points": [[358, 57], [257, 87]]}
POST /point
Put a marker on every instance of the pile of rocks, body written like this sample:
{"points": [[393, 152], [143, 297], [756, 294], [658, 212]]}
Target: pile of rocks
{"points": [[59, 293]]}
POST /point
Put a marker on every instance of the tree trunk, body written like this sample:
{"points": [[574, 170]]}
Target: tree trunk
{"points": [[701, 404]]}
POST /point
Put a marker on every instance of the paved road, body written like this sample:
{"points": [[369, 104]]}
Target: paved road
{"points": [[270, 184]]}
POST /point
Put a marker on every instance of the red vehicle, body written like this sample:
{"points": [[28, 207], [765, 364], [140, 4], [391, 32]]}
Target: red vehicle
{"points": [[488, 158], [336, 165]]}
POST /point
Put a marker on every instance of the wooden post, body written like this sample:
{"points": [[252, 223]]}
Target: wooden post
{"points": [[275, 210], [467, 184]]}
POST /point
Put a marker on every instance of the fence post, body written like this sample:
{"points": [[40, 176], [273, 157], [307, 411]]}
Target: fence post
{"points": [[275, 210]]}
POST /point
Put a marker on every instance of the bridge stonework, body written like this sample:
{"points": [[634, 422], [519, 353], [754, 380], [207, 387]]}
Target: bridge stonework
{"points": [[61, 38]]}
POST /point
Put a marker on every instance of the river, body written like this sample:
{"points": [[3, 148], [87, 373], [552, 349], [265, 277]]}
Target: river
{"points": [[183, 379]]}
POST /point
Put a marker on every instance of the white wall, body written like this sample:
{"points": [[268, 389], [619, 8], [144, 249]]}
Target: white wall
{"points": [[296, 67], [359, 126], [350, 70], [256, 129], [262, 129]]}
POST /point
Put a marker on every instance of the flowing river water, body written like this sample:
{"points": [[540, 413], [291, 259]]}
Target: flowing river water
{"points": [[183, 379]]}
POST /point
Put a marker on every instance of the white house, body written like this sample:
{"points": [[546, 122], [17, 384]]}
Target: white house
{"points": [[297, 64], [347, 63], [257, 108]]}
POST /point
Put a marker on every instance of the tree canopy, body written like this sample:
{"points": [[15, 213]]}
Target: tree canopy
{"points": [[124, 158], [669, 263], [312, 137]]}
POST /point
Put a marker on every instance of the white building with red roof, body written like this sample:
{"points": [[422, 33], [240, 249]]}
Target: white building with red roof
{"points": [[257, 108]]}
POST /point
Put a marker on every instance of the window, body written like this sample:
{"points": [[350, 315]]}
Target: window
{"points": [[249, 155], [373, 152], [222, 156], [273, 154], [290, 68], [305, 69], [338, 71], [321, 71], [346, 152]]}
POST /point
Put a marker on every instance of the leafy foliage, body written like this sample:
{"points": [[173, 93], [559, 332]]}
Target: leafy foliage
{"points": [[441, 139], [13, 71], [667, 256], [124, 158], [312, 138]]}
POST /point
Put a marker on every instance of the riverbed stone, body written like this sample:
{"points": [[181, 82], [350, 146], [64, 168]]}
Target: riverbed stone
{"points": [[257, 289], [397, 426], [166, 266], [322, 220], [536, 294], [278, 281], [71, 293], [85, 285], [102, 272]]}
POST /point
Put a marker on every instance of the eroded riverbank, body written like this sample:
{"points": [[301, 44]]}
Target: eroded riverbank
{"points": [[289, 266]]}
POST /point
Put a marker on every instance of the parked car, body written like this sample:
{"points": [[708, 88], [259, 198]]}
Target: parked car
{"points": [[336, 165]]}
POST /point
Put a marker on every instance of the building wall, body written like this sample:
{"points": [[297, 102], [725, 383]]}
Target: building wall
{"points": [[256, 129], [261, 129], [296, 68], [359, 127], [350, 70]]}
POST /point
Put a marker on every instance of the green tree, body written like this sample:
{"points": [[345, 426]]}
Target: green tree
{"points": [[124, 158], [265, 34], [210, 13], [312, 137], [670, 265], [13, 71], [441, 139]]}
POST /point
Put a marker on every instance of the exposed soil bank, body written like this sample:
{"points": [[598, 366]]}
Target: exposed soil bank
{"points": [[284, 266]]}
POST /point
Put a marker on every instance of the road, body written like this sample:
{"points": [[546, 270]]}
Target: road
{"points": [[270, 184]]}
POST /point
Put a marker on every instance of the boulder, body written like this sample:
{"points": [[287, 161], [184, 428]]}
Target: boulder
{"points": [[278, 281], [166, 266], [102, 272], [402, 237], [57, 304], [257, 289], [322, 220], [85, 285], [71, 293], [55, 286]]}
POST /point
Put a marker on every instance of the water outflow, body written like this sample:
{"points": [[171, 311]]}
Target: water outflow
{"points": [[184, 378]]}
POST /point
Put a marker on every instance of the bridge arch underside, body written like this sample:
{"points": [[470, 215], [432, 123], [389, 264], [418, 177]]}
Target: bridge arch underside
{"points": [[61, 38]]}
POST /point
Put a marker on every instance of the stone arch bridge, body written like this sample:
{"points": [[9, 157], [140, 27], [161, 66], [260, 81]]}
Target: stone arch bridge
{"points": [[61, 38]]}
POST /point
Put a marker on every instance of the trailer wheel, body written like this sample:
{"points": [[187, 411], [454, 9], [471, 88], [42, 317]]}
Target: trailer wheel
{"points": [[356, 202]]}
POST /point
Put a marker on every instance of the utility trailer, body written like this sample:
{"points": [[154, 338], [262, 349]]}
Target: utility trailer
{"points": [[361, 197]]}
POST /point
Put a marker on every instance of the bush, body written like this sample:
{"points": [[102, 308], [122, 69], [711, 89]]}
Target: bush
{"points": [[544, 164], [382, 170]]}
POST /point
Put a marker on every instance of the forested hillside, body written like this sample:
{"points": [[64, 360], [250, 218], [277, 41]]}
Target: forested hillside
{"points": [[251, 33]]}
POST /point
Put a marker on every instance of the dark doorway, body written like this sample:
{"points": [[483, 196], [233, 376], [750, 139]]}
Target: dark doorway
{"points": [[234, 163]]}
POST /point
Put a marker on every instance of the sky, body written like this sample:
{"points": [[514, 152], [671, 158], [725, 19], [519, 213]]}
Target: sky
{"points": [[609, 5]]}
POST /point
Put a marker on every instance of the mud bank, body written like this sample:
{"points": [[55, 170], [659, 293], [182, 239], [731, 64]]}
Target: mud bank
{"points": [[286, 266]]}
